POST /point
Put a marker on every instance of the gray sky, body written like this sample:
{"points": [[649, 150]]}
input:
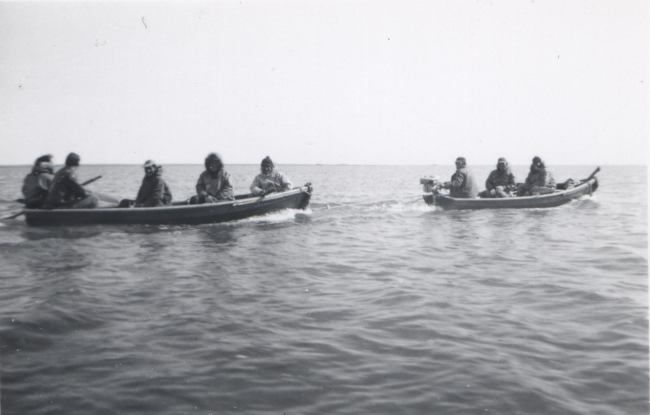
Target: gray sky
{"points": [[354, 82]]}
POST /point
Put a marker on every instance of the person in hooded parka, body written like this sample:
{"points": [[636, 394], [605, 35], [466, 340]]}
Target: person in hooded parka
{"points": [[214, 183], [153, 191], [37, 183], [500, 182], [270, 180], [539, 181]]}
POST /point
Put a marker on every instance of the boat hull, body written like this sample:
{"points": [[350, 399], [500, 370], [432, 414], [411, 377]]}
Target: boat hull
{"points": [[241, 208], [525, 202]]}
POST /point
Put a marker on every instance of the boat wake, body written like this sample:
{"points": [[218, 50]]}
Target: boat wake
{"points": [[401, 207], [407, 204], [275, 217]]}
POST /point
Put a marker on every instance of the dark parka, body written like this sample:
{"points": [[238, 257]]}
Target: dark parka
{"points": [[153, 191], [37, 185], [539, 176], [503, 178], [65, 188], [217, 185]]}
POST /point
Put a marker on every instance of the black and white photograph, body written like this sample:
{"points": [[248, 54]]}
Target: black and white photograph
{"points": [[305, 207]]}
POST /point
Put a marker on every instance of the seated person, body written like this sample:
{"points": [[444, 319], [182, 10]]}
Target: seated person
{"points": [[500, 182], [462, 183], [153, 190], [214, 183], [539, 180], [66, 192], [37, 184], [270, 180]]}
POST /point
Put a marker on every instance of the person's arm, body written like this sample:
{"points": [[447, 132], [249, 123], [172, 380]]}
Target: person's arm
{"points": [[167, 194], [541, 179], [226, 191], [489, 185], [512, 183], [200, 186], [141, 197], [157, 193], [529, 179], [457, 180], [45, 181], [285, 182], [256, 186], [72, 184]]}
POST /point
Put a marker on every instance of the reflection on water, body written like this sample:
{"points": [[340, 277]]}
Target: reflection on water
{"points": [[218, 234], [56, 260], [64, 232]]}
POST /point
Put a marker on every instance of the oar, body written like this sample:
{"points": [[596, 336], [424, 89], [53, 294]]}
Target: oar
{"points": [[12, 216], [266, 192], [101, 196], [23, 200]]}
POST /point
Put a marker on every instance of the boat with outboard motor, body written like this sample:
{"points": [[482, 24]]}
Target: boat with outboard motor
{"points": [[179, 213], [565, 193]]}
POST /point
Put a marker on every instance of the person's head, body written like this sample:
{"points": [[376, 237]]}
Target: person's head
{"points": [[150, 168], [502, 164], [267, 165], [461, 162], [72, 160], [213, 163], [46, 159], [44, 163], [537, 163]]}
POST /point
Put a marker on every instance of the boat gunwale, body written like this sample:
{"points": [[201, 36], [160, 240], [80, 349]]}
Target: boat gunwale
{"points": [[168, 208]]}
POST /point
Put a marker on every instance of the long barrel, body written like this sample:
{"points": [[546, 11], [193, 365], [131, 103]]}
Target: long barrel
{"points": [[91, 180], [591, 176]]}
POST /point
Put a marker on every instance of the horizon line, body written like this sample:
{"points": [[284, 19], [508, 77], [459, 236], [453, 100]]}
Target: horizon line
{"points": [[315, 164]]}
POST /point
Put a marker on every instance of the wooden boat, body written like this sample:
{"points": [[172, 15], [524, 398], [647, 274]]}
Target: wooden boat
{"points": [[243, 206], [557, 198]]}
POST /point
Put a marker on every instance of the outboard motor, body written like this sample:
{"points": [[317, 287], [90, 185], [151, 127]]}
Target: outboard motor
{"points": [[429, 183]]}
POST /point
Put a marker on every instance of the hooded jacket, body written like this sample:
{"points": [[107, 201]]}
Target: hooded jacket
{"points": [[503, 178], [153, 191], [275, 181], [218, 184], [539, 176], [37, 185], [65, 188]]}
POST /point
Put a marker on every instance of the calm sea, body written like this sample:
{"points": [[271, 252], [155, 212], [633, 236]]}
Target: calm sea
{"points": [[377, 305]]}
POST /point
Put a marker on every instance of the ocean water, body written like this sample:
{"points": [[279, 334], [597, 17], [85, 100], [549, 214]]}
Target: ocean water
{"points": [[369, 302]]}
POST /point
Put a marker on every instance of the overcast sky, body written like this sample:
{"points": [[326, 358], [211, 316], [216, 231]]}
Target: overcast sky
{"points": [[330, 82]]}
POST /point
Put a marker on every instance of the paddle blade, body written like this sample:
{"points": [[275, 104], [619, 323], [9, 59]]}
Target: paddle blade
{"points": [[14, 216]]}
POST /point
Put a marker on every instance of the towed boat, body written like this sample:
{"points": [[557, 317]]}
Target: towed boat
{"points": [[559, 197], [179, 213]]}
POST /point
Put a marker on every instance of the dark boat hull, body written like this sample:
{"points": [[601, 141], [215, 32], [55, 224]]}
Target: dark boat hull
{"points": [[526, 202], [241, 208]]}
